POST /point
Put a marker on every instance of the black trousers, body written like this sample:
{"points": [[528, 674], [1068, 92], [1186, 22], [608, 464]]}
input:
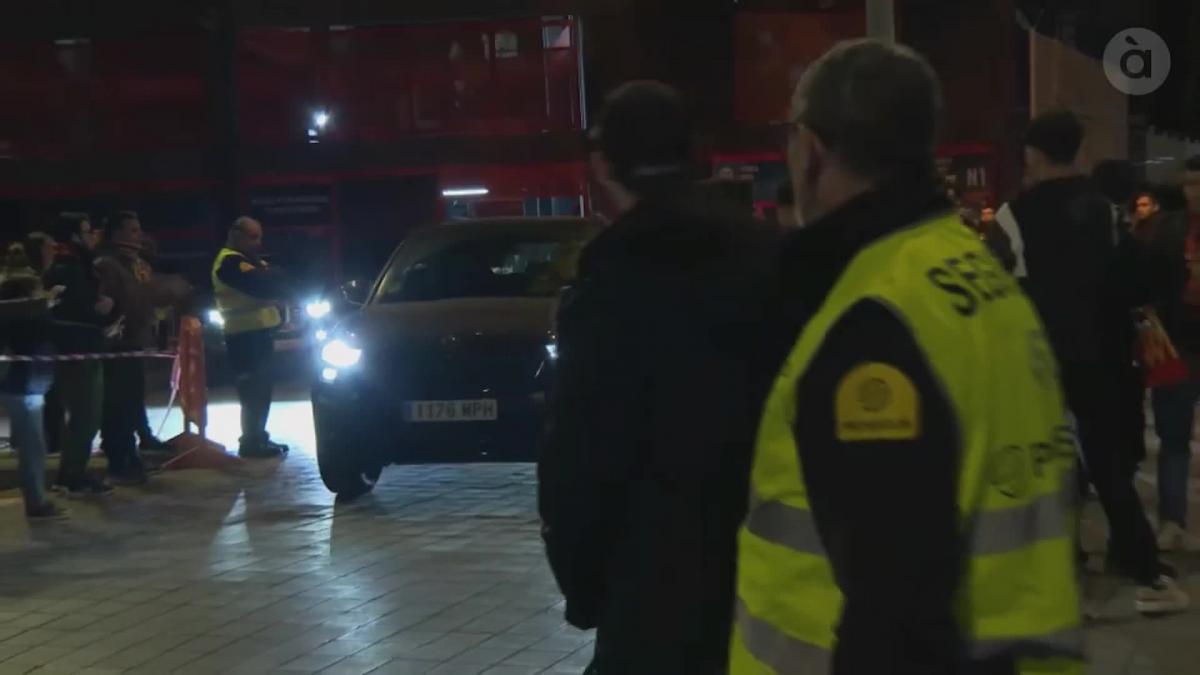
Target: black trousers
{"points": [[54, 419], [1095, 396], [250, 359], [124, 406]]}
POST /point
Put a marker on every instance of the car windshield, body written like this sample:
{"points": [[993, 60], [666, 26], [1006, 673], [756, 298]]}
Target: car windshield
{"points": [[506, 266]]}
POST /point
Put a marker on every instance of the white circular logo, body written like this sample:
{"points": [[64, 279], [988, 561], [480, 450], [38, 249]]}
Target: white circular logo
{"points": [[1137, 61]]}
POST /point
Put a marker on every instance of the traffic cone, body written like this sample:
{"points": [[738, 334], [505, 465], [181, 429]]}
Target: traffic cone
{"points": [[193, 450]]}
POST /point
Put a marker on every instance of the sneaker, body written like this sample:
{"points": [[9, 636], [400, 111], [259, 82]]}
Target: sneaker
{"points": [[1172, 537], [87, 487], [46, 511], [260, 451], [127, 478], [1164, 597], [281, 447]]}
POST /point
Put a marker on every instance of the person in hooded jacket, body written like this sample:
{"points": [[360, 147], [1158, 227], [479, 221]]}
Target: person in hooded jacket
{"points": [[663, 362]]}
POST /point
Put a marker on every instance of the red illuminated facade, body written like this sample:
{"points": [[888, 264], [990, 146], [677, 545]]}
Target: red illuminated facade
{"points": [[193, 117]]}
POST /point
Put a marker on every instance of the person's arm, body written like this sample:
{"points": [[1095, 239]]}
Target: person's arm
{"points": [[257, 282], [884, 495], [24, 309], [592, 437], [80, 300]]}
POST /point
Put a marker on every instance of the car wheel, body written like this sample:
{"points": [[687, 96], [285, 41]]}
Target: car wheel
{"points": [[345, 468], [345, 475]]}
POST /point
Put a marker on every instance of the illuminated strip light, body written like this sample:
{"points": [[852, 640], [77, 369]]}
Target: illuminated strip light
{"points": [[465, 192]]}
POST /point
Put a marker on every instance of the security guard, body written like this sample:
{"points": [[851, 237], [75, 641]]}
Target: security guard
{"points": [[248, 293], [911, 480]]}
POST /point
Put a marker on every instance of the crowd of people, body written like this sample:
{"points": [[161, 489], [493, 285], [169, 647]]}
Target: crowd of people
{"points": [[853, 444], [80, 291]]}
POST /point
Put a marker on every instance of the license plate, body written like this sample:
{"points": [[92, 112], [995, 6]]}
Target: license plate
{"points": [[479, 410]]}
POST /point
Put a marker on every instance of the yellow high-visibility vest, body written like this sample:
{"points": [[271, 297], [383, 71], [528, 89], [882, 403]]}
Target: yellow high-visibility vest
{"points": [[241, 312], [986, 346]]}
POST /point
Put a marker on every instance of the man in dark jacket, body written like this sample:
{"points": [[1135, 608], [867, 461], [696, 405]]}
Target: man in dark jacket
{"points": [[25, 331], [126, 278], [80, 320], [662, 366], [1074, 278]]}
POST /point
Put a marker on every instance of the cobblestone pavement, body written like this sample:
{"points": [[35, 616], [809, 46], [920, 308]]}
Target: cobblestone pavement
{"points": [[258, 571]]}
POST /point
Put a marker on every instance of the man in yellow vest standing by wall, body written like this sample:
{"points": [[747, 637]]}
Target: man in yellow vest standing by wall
{"points": [[911, 486], [248, 294]]}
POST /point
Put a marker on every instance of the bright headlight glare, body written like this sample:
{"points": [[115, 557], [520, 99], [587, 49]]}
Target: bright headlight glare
{"points": [[318, 308], [552, 351], [339, 354], [215, 318]]}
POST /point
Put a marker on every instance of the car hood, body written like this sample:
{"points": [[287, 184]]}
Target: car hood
{"points": [[484, 317]]}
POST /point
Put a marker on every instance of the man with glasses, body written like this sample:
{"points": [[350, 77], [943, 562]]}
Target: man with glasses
{"points": [[80, 319], [917, 425]]}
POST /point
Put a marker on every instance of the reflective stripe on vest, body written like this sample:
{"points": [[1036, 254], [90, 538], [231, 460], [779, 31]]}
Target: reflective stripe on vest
{"points": [[241, 312], [786, 655], [986, 348], [993, 532]]}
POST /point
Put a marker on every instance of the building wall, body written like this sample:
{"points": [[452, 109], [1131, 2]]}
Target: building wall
{"points": [[1063, 78]]}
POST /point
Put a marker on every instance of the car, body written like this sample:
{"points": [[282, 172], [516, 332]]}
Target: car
{"points": [[451, 355]]}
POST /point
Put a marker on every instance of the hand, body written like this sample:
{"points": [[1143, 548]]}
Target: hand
{"points": [[54, 295], [104, 305], [116, 330]]}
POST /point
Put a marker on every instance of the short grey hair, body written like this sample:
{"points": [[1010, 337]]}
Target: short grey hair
{"points": [[238, 227], [877, 106]]}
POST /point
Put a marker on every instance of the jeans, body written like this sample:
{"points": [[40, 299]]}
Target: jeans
{"points": [[250, 359], [123, 408], [81, 387], [25, 416], [1095, 398], [1174, 413]]}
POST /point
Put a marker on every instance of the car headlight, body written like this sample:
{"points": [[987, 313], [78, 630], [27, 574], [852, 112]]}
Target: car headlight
{"points": [[552, 351], [214, 317], [339, 354], [318, 309]]}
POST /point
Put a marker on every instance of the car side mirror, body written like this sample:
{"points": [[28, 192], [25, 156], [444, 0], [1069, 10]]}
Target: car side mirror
{"points": [[355, 291]]}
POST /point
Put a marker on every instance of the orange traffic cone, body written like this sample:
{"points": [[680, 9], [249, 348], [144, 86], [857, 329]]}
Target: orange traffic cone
{"points": [[193, 450]]}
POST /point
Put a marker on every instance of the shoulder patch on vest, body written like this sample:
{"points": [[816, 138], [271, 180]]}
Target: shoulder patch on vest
{"points": [[245, 266], [876, 402]]}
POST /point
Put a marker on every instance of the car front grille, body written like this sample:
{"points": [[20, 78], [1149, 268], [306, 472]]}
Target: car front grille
{"points": [[466, 368]]}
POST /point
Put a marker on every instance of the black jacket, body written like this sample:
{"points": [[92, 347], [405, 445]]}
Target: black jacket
{"points": [[1164, 275], [24, 331], [1072, 255], [663, 362], [78, 327], [886, 510]]}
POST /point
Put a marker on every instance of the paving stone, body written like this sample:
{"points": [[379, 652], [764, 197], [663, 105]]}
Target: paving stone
{"points": [[440, 570]]}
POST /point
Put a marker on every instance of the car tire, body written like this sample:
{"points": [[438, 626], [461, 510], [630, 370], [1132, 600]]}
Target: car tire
{"points": [[345, 475], [345, 468]]}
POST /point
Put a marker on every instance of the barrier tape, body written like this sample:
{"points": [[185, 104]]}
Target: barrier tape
{"points": [[144, 354]]}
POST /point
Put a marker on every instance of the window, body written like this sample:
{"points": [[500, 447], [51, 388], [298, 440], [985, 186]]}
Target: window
{"points": [[556, 36], [495, 267]]}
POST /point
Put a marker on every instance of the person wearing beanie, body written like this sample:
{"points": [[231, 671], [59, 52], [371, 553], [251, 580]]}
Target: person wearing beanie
{"points": [[662, 366]]}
